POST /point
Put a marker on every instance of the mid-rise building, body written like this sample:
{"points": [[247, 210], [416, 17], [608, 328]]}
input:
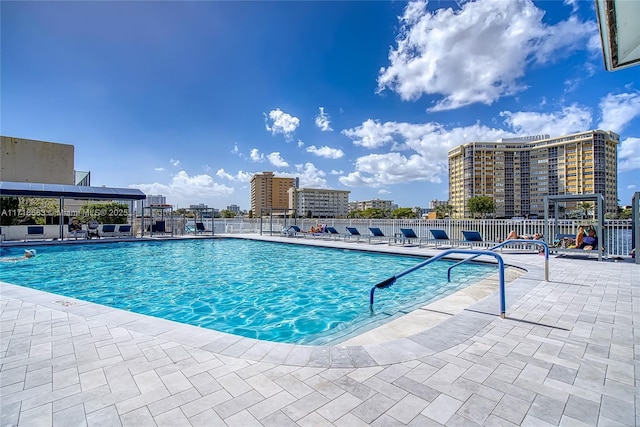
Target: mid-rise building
{"points": [[386, 205], [270, 192], [29, 160], [319, 202], [152, 200], [517, 173]]}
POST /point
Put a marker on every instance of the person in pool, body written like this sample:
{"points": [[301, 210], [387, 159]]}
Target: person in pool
{"points": [[28, 253]]}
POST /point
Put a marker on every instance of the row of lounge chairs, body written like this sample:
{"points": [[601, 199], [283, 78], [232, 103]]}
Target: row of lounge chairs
{"points": [[407, 236]]}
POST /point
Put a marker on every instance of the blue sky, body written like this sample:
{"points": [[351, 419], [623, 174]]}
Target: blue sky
{"points": [[190, 99]]}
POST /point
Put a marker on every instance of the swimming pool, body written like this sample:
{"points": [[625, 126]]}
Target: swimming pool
{"points": [[265, 290]]}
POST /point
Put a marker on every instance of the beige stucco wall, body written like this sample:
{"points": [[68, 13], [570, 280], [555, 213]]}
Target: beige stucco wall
{"points": [[28, 160]]}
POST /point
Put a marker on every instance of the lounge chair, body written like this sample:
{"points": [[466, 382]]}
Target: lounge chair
{"points": [[378, 236], [158, 227], [34, 231], [200, 228], [333, 233], [92, 229], [75, 231], [473, 238], [440, 237], [292, 231], [353, 233], [409, 236], [124, 230], [109, 230]]}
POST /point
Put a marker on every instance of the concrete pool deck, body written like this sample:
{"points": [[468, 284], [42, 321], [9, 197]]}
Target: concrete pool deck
{"points": [[568, 353]]}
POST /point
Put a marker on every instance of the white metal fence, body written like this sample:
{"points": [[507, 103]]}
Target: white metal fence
{"points": [[617, 239]]}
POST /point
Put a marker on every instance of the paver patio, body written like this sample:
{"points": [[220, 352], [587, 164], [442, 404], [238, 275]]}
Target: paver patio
{"points": [[567, 354]]}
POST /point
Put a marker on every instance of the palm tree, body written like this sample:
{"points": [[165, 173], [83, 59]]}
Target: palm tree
{"points": [[585, 207]]}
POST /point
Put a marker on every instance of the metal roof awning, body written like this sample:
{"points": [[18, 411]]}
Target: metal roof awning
{"points": [[32, 189]]}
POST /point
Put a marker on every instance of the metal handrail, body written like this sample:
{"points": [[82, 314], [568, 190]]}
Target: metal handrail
{"points": [[391, 280], [506, 242]]}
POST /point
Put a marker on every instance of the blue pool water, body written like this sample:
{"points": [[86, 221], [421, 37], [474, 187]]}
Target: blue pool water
{"points": [[270, 291]]}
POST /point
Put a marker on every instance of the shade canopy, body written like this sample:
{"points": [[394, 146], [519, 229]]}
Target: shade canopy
{"points": [[32, 189]]}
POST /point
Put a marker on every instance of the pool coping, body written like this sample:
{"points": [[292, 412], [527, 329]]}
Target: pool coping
{"points": [[447, 334]]}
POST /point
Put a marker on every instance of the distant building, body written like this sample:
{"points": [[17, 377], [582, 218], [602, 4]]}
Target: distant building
{"points": [[29, 160], [151, 200], [267, 191], [234, 208], [517, 173], [319, 203], [83, 178], [385, 205], [433, 204]]}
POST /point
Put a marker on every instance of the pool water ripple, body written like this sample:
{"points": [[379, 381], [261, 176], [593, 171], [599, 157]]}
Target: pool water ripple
{"points": [[271, 291]]}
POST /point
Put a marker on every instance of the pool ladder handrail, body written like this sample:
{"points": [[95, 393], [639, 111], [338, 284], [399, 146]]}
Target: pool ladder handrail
{"points": [[506, 242], [391, 280]]}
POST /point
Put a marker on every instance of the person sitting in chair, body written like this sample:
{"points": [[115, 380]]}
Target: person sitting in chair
{"points": [[513, 235], [319, 228], [75, 228], [590, 241]]}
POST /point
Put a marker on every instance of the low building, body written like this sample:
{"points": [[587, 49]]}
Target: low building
{"points": [[319, 202], [385, 205]]}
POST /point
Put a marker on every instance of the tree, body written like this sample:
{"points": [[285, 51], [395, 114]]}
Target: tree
{"points": [[585, 208], [403, 213], [227, 214], [443, 211], [10, 210], [356, 214], [105, 213], [481, 205]]}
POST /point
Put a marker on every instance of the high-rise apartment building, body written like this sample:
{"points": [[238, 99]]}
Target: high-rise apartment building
{"points": [[319, 203], [518, 172], [267, 191], [386, 205]]}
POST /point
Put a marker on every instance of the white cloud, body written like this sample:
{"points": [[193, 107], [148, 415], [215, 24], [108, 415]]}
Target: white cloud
{"points": [[184, 189], [431, 143], [393, 168], [323, 121], [477, 53], [223, 174], [335, 172], [573, 4], [383, 191], [174, 162], [630, 187], [310, 176], [569, 120], [159, 169], [206, 168], [300, 143], [235, 149], [629, 155], [239, 177], [619, 110], [281, 122], [276, 160], [256, 156], [329, 153]]}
